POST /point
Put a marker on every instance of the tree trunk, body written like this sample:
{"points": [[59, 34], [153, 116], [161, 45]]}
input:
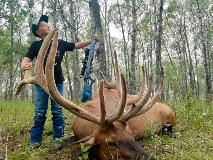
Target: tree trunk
{"points": [[184, 58], [209, 91], [1, 86], [133, 49], [11, 78], [151, 47], [191, 70], [196, 67], [42, 7], [158, 45], [24, 92], [31, 39], [209, 57], [124, 44], [67, 61], [54, 13], [110, 48], [75, 57], [96, 23], [106, 38], [70, 94]]}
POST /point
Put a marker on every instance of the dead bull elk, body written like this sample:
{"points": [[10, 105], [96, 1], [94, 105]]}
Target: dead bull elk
{"points": [[138, 119], [103, 121]]}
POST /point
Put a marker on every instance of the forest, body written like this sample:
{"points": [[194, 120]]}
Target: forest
{"points": [[169, 35]]}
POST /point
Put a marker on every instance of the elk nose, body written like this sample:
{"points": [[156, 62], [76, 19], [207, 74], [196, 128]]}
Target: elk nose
{"points": [[151, 158]]}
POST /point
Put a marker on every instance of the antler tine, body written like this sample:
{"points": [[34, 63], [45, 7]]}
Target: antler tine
{"points": [[49, 72], [39, 73], [115, 85], [27, 80], [120, 109], [39, 65], [156, 97], [150, 104], [117, 70], [108, 84], [102, 103], [146, 76], [139, 105], [141, 88]]}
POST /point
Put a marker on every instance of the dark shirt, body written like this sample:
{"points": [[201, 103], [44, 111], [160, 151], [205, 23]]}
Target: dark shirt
{"points": [[63, 46]]}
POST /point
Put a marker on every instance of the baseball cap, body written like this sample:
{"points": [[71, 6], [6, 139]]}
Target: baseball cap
{"points": [[35, 24]]}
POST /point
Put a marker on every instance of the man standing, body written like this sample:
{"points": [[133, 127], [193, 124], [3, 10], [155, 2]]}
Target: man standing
{"points": [[40, 28]]}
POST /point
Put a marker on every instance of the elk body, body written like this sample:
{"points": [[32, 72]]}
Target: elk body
{"points": [[160, 115], [105, 121]]}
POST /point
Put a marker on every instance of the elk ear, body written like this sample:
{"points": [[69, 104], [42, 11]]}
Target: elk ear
{"points": [[89, 140]]}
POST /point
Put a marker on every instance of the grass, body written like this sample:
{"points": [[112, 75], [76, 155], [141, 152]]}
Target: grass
{"points": [[192, 139], [16, 119], [193, 136]]}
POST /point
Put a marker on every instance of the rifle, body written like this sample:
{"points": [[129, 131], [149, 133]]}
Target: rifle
{"points": [[86, 72]]}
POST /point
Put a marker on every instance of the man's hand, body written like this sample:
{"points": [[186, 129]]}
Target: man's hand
{"points": [[85, 43], [96, 36], [26, 64]]}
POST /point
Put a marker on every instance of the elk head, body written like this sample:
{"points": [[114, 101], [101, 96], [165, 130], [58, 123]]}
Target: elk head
{"points": [[112, 139]]}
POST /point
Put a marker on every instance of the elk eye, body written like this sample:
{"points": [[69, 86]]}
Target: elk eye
{"points": [[112, 144]]}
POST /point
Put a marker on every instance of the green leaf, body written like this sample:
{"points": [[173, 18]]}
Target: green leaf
{"points": [[85, 156], [82, 146], [86, 148]]}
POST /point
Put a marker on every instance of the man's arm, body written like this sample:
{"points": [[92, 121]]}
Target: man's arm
{"points": [[26, 63], [82, 44], [30, 55], [85, 43]]}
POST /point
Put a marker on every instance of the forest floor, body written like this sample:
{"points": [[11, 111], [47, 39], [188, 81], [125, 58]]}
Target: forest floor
{"points": [[191, 140]]}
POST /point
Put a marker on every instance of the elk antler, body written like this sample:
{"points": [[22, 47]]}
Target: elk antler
{"points": [[102, 103], [39, 73], [116, 115], [27, 80], [115, 85], [78, 111], [139, 105], [106, 83], [153, 100], [120, 109], [142, 87], [49, 73], [142, 106], [117, 70], [39, 65]]}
